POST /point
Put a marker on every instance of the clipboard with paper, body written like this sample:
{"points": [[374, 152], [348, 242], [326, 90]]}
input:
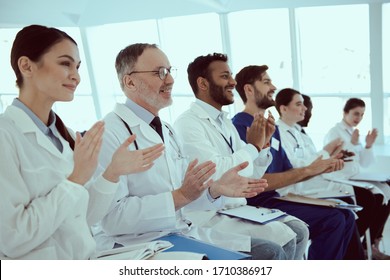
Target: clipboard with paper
{"points": [[371, 177], [255, 214], [319, 202], [359, 184]]}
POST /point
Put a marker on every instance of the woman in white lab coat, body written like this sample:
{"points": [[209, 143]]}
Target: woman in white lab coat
{"points": [[299, 147], [353, 113], [47, 201]]}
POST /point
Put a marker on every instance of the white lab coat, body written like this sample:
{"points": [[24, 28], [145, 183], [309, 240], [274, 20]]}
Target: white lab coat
{"points": [[143, 208], [301, 152], [42, 214], [201, 138], [363, 157]]}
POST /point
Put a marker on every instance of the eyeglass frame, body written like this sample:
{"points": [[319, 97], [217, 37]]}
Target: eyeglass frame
{"points": [[162, 72]]}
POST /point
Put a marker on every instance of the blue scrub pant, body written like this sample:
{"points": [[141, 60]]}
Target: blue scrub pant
{"points": [[331, 229]]}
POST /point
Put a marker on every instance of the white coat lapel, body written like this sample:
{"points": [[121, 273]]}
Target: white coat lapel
{"points": [[135, 122], [27, 126], [202, 114]]}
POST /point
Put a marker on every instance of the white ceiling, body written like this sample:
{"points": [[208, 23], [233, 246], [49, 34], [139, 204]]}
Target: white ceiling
{"points": [[62, 13]]}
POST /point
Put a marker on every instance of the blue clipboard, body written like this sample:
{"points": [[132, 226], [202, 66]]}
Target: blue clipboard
{"points": [[213, 252]]}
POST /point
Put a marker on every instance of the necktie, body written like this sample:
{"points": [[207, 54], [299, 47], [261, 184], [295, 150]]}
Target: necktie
{"points": [[157, 126], [303, 131]]}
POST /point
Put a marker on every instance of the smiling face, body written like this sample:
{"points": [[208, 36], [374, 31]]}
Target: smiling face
{"points": [[264, 92], [55, 76], [221, 84], [152, 93], [295, 110], [354, 116]]}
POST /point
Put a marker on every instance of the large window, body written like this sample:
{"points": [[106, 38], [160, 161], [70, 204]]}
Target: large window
{"points": [[330, 45], [184, 39], [386, 47], [386, 69], [7, 76], [8, 89], [260, 37], [334, 49]]}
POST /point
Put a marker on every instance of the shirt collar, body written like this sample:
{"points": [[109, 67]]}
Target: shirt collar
{"points": [[282, 124], [139, 111], [214, 113], [37, 121]]}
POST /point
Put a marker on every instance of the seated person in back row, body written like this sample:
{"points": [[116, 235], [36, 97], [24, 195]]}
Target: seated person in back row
{"points": [[353, 113]]}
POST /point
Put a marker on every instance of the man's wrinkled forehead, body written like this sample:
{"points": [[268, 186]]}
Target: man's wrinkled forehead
{"points": [[153, 58]]}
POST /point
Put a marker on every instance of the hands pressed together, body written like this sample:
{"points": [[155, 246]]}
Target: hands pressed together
{"points": [[320, 166], [260, 132]]}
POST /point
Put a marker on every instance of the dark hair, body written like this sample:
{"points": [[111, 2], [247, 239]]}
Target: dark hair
{"points": [[200, 68], [284, 97], [128, 57], [353, 103], [248, 75], [34, 41], [307, 100], [309, 105]]}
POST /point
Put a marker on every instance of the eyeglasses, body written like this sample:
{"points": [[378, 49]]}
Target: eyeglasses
{"points": [[162, 72]]}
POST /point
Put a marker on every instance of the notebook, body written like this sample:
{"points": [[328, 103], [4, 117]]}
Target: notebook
{"points": [[183, 243], [139, 251]]}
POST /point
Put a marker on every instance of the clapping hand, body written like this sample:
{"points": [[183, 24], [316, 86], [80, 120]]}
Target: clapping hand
{"points": [[320, 166], [270, 129], [196, 180], [355, 137], [335, 147], [127, 162], [231, 184], [86, 154], [256, 133], [371, 137]]}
